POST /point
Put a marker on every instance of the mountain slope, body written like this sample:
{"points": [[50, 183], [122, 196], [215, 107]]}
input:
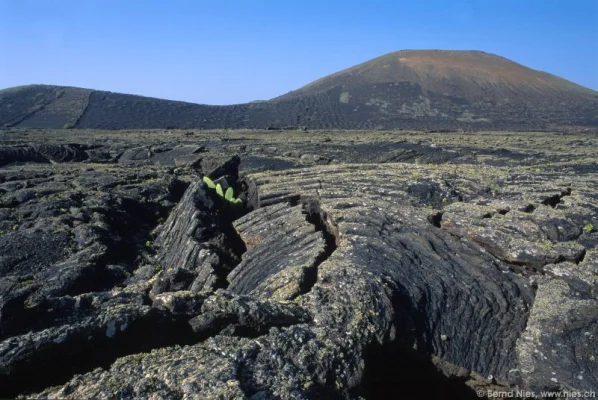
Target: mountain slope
{"points": [[465, 73], [458, 87], [404, 89], [44, 106]]}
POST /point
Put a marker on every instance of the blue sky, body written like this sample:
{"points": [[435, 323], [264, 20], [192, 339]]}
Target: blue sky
{"points": [[233, 51]]}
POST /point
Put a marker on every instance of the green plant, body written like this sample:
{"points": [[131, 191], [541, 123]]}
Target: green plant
{"points": [[546, 245], [588, 227], [229, 195], [209, 182], [219, 190]]}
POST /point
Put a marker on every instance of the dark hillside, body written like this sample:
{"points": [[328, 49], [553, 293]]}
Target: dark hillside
{"points": [[453, 88], [122, 111], [413, 89]]}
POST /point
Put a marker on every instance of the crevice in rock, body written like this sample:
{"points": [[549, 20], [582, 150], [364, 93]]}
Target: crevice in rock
{"points": [[176, 190], [39, 370], [523, 268], [198, 246], [229, 258], [274, 198], [552, 201], [243, 375], [435, 219], [131, 223], [533, 267], [226, 326], [519, 267], [133, 226], [212, 230], [44, 153], [310, 277], [581, 257], [244, 316], [228, 245], [322, 222], [394, 369], [537, 268]]}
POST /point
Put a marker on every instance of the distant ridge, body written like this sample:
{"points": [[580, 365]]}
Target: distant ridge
{"points": [[427, 89]]}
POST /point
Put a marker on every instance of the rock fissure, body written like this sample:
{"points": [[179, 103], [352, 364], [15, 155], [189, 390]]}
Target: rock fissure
{"points": [[198, 246], [322, 223], [556, 199], [94, 342], [394, 368]]}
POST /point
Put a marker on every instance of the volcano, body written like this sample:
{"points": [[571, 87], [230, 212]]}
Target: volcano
{"points": [[412, 89]]}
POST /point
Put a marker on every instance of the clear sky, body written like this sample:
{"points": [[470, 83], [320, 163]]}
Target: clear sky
{"points": [[233, 51]]}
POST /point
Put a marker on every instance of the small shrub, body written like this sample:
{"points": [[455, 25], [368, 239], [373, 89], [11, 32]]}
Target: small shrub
{"points": [[547, 245], [588, 227]]}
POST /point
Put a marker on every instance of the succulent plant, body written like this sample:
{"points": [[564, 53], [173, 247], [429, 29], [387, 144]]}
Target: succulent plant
{"points": [[229, 195], [209, 182]]}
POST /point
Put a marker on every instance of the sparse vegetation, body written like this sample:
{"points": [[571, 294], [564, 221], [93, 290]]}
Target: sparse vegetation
{"points": [[546, 245], [228, 195], [588, 227]]}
